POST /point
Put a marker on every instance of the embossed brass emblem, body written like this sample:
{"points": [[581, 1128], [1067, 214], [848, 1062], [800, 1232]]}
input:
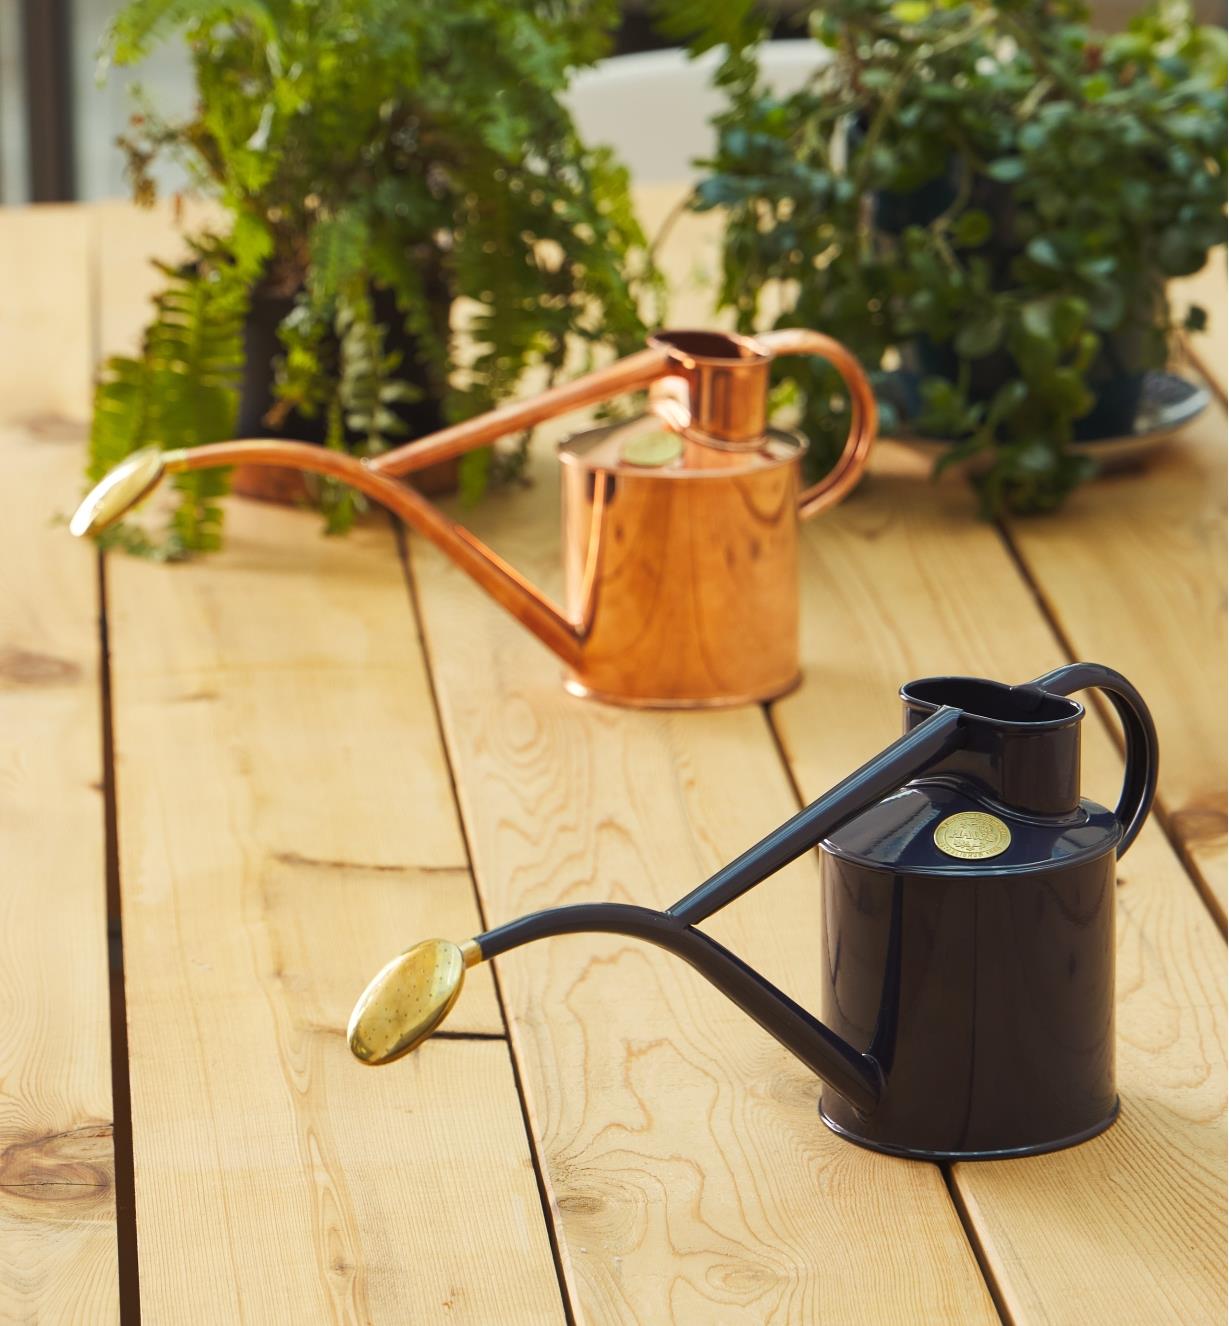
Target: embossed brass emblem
{"points": [[652, 450], [972, 835]]}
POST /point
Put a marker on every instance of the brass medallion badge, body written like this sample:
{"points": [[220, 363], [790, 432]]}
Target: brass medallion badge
{"points": [[972, 835]]}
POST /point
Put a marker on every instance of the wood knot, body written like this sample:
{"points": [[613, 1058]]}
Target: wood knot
{"points": [[579, 1203], [25, 667], [741, 1280], [1201, 820], [72, 1166], [53, 428]]}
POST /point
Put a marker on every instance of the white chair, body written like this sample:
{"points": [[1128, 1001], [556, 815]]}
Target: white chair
{"points": [[654, 109]]}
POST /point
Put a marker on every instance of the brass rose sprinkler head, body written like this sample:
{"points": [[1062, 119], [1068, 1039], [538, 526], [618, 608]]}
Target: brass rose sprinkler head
{"points": [[135, 477], [408, 999]]}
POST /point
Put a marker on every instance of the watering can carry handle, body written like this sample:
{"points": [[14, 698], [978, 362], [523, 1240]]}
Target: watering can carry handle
{"points": [[863, 413], [1139, 732]]}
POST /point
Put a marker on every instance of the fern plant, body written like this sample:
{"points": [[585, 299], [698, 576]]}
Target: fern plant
{"points": [[362, 149]]}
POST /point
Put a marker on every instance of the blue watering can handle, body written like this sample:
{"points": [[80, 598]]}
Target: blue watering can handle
{"points": [[1139, 780]]}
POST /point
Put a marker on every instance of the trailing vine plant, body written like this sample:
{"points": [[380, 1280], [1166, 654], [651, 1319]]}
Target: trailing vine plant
{"points": [[359, 147], [987, 192]]}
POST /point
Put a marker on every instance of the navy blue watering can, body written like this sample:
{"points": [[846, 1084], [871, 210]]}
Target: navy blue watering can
{"points": [[968, 899]]}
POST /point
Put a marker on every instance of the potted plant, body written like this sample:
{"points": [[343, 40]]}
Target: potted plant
{"points": [[990, 196], [376, 164]]}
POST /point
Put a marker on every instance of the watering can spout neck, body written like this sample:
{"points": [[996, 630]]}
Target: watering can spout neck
{"points": [[855, 1075], [140, 473]]}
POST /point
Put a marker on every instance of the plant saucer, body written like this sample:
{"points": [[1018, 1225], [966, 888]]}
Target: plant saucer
{"points": [[1169, 405]]}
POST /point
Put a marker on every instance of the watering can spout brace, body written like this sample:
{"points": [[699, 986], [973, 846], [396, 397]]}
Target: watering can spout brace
{"points": [[411, 996]]}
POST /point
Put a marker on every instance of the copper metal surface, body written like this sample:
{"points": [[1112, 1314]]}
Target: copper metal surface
{"points": [[727, 382], [682, 577], [863, 416], [692, 596], [632, 373]]}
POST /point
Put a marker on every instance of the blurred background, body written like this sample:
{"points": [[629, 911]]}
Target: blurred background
{"points": [[58, 125]]}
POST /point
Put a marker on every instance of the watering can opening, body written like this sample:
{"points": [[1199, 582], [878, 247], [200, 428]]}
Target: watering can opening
{"points": [[994, 702], [712, 347]]}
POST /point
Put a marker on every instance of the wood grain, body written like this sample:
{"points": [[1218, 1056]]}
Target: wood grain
{"points": [[692, 1180], [276, 733], [904, 582], [286, 825], [57, 1173], [46, 257]]}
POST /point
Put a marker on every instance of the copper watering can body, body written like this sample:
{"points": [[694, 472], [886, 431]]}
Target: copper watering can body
{"points": [[968, 957], [681, 568], [686, 579]]}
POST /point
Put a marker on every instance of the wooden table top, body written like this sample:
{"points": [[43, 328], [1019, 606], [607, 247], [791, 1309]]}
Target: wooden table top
{"points": [[253, 778]]}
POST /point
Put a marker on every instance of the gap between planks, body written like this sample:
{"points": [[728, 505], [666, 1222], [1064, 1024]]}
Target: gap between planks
{"points": [[121, 1089], [695, 1249], [121, 1092], [975, 1242], [1161, 811], [567, 1288]]}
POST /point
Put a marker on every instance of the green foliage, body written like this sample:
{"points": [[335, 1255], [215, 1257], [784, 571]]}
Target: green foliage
{"points": [[362, 147], [991, 184], [179, 393]]}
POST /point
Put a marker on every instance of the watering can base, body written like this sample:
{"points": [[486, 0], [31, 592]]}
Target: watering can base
{"points": [[922, 1153], [575, 686]]}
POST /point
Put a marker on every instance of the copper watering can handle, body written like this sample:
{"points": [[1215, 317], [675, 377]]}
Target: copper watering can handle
{"points": [[863, 414]]}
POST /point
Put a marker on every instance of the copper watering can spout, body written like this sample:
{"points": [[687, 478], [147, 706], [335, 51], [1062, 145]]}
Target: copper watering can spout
{"points": [[708, 390], [1045, 900]]}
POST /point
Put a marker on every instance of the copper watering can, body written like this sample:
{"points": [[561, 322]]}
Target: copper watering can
{"points": [[967, 968], [680, 528]]}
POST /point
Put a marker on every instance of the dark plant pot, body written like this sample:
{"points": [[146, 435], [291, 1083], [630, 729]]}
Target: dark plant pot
{"points": [[1117, 385], [261, 347], [1115, 377]]}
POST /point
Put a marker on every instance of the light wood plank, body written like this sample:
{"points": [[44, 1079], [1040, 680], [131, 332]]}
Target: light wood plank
{"points": [[558, 806], [903, 581], [57, 1172], [691, 1177], [46, 255], [1133, 570], [130, 239], [286, 824]]}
